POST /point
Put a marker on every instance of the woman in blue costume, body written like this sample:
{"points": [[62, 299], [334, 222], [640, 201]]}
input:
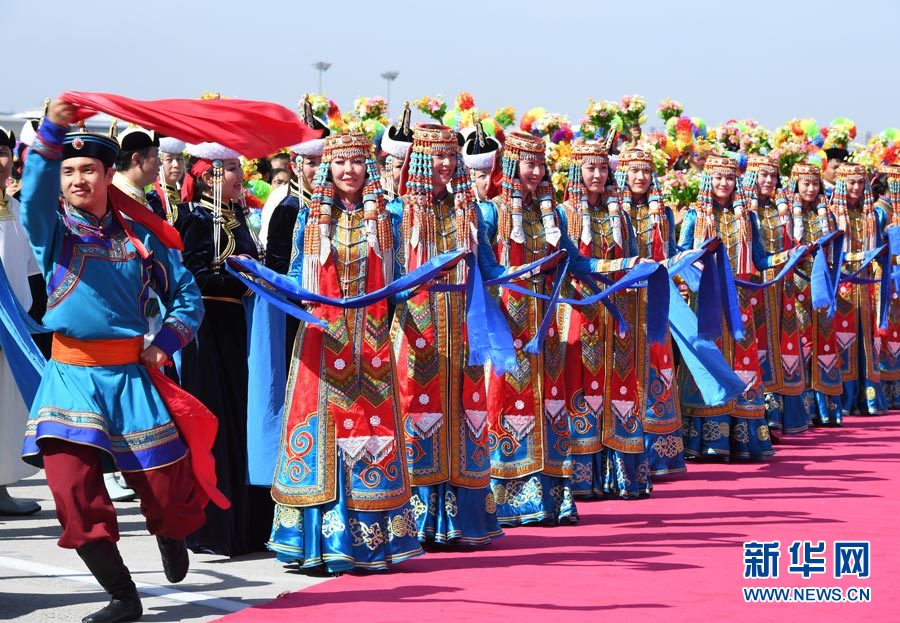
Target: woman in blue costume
{"points": [[214, 366], [442, 399], [804, 199], [654, 226], [775, 308], [886, 192], [736, 429], [528, 423], [341, 483], [856, 319], [606, 370]]}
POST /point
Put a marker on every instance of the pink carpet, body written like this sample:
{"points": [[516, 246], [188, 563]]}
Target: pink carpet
{"points": [[677, 556]]}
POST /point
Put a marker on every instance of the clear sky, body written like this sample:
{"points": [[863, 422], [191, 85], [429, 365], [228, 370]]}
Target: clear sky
{"points": [[771, 60]]}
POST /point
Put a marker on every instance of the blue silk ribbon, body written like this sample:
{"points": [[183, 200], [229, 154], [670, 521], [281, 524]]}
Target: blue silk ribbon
{"points": [[797, 254], [536, 344], [715, 288], [893, 235], [883, 257], [712, 374], [25, 359], [291, 291], [493, 341], [651, 275], [489, 336]]}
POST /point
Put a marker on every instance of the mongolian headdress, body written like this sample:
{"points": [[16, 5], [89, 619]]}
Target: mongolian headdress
{"points": [[637, 160], [209, 157], [837, 137], [313, 147], [480, 150], [8, 138], [135, 138], [317, 237], [396, 142], [170, 145], [577, 197], [844, 173], [430, 140], [205, 157], [29, 131], [789, 197], [480, 153], [892, 173], [706, 206], [755, 164], [397, 139], [523, 146]]}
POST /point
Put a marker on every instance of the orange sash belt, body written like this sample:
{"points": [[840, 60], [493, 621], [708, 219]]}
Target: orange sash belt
{"points": [[118, 352], [196, 424]]}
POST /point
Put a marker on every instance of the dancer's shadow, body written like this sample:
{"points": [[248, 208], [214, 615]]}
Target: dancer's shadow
{"points": [[425, 594]]}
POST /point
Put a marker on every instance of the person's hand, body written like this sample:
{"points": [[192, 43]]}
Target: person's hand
{"points": [[62, 113], [550, 266], [714, 243], [645, 260], [154, 356], [684, 291]]}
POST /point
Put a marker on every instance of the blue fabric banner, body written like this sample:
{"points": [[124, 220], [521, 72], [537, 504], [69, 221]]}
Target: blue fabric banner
{"points": [[25, 359], [266, 339]]}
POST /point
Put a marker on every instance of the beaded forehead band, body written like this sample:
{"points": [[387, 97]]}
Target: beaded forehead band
{"points": [[434, 138], [891, 170], [847, 170], [720, 164], [636, 160], [757, 162], [525, 146], [802, 171], [590, 152], [349, 145]]}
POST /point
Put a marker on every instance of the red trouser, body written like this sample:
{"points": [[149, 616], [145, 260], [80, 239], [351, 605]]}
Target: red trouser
{"points": [[169, 500]]}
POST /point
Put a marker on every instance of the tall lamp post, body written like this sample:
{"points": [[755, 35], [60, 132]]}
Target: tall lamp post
{"points": [[389, 77], [321, 67]]}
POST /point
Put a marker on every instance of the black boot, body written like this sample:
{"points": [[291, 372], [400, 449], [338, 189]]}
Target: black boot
{"points": [[105, 563], [174, 556]]}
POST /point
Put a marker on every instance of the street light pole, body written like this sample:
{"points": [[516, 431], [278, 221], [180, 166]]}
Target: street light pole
{"points": [[389, 77], [321, 67]]}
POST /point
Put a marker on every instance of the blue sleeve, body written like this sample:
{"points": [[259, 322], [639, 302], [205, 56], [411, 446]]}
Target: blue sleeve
{"points": [[761, 259], [180, 295], [686, 239], [295, 271], [881, 223], [487, 235], [41, 188], [673, 248], [395, 207], [397, 228], [632, 236]]}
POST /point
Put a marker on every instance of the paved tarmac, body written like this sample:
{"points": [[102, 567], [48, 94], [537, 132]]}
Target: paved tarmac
{"points": [[40, 582]]}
